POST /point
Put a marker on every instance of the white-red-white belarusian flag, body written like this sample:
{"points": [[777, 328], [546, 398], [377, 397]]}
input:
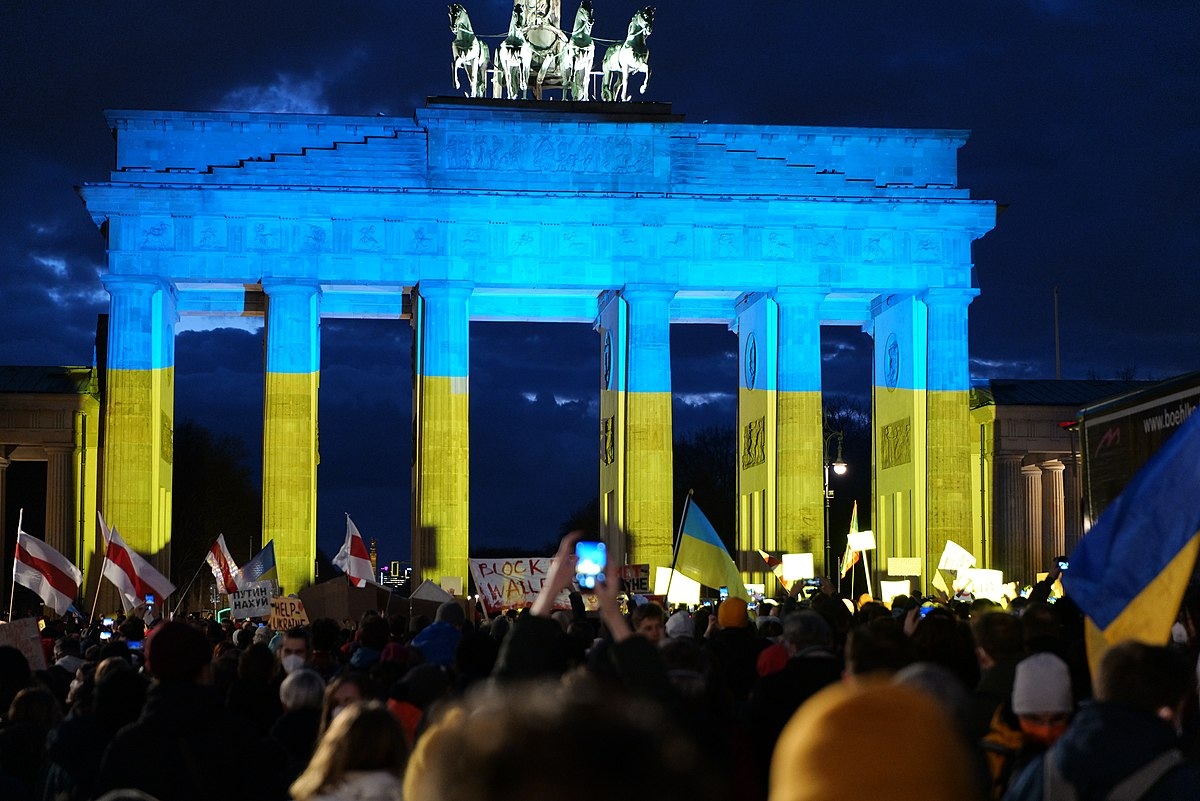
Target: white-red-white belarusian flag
{"points": [[46, 571], [134, 576], [353, 558], [224, 569]]}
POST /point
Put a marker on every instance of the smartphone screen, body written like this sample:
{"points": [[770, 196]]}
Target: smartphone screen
{"points": [[723, 593], [135, 645], [106, 635], [590, 558]]}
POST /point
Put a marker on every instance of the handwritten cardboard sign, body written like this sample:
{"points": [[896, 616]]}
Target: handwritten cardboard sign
{"points": [[287, 613], [23, 635], [514, 583], [253, 600], [637, 578]]}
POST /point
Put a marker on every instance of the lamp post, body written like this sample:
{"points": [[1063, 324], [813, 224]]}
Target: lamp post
{"points": [[839, 468]]}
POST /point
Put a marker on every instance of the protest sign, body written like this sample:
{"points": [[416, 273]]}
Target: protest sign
{"points": [[904, 566], [512, 583], [23, 635], [253, 600], [983, 583], [287, 613], [955, 557], [636, 578]]}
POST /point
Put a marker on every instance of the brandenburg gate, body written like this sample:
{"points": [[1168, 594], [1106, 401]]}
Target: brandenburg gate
{"points": [[622, 215]]}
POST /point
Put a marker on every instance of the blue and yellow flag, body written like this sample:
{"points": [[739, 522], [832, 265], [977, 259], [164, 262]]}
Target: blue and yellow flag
{"points": [[262, 566], [1129, 572], [702, 556]]}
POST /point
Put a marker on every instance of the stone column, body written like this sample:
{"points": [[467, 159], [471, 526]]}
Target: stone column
{"points": [[1008, 531], [1053, 513], [140, 414], [649, 488], [290, 429], [949, 420], [1031, 476], [1072, 504], [800, 490], [441, 424], [60, 500]]}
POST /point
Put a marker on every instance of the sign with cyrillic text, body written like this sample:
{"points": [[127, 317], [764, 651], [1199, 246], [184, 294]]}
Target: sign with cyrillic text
{"points": [[253, 600]]}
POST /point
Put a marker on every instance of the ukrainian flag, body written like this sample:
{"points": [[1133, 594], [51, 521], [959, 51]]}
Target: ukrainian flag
{"points": [[262, 566], [1129, 572], [701, 555]]}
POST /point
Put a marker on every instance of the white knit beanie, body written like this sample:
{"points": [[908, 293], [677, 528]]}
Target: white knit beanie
{"points": [[1042, 684]]}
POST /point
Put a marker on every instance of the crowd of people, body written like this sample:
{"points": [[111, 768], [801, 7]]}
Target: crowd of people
{"points": [[809, 698]]}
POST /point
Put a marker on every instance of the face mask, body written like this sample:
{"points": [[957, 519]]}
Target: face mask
{"points": [[292, 662], [1045, 733]]}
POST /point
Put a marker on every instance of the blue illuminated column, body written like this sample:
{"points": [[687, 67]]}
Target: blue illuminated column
{"points": [[290, 428], [441, 467], [800, 427], [140, 413], [648, 508]]}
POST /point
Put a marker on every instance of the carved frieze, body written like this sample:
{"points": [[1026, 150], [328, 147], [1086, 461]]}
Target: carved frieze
{"points": [[927, 247], [368, 237], [895, 444], [210, 234], [549, 153], [262, 235], [312, 237], [754, 443], [877, 247], [156, 233], [778, 243], [676, 242], [608, 442], [827, 245]]}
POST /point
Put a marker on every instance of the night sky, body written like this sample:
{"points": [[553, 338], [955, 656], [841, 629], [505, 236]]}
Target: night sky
{"points": [[1084, 126]]}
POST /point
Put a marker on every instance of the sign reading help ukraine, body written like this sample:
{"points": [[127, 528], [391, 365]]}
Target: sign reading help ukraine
{"points": [[287, 613]]}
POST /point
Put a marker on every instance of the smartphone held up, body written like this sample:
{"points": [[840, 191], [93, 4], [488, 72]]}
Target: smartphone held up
{"points": [[590, 558]]}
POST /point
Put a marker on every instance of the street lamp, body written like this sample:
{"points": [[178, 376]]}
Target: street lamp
{"points": [[839, 468]]}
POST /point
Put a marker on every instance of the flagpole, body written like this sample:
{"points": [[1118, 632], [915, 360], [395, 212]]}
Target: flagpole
{"points": [[196, 575], [675, 551], [12, 594], [104, 535]]}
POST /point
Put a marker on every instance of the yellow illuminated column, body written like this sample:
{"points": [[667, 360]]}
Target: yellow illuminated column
{"points": [[801, 508], [441, 451], [949, 421], [899, 420], [290, 429], [758, 433], [649, 513], [139, 414]]}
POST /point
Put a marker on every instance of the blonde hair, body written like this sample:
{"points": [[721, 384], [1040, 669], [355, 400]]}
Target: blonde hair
{"points": [[364, 736]]}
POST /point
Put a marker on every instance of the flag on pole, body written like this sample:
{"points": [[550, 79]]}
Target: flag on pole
{"points": [[224, 569], [776, 568], [134, 576], [353, 558], [702, 557], [1129, 572], [262, 566], [45, 571], [850, 557]]}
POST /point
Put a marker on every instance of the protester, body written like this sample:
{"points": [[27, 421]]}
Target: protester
{"points": [[346, 689], [164, 751], [1125, 744], [439, 640], [301, 696], [361, 757], [872, 739], [547, 740]]}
